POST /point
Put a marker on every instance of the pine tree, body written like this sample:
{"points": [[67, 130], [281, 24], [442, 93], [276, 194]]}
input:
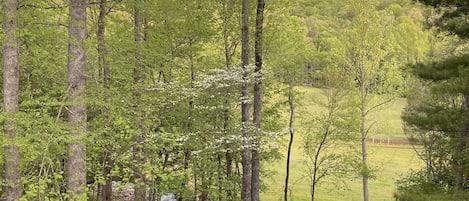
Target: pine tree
{"points": [[445, 107]]}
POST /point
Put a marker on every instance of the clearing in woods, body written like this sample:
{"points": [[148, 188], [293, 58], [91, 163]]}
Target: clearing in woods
{"points": [[390, 161]]}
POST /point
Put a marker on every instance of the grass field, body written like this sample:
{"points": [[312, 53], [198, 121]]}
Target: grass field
{"points": [[387, 118], [389, 161]]}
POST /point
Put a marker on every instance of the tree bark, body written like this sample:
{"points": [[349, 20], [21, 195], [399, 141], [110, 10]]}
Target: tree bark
{"points": [[102, 50], [246, 156], [257, 107], [230, 49], [292, 134], [363, 129], [12, 188], [76, 171], [106, 194], [140, 188]]}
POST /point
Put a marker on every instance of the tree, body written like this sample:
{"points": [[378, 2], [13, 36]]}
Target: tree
{"points": [[365, 54], [43, 130], [287, 50], [327, 144], [230, 33], [291, 120], [370, 40], [13, 187], [454, 15], [182, 140], [104, 69], [138, 78], [257, 105], [438, 109], [76, 169], [246, 155]]}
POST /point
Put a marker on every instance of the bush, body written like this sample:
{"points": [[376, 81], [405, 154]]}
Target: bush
{"points": [[412, 196], [419, 186]]}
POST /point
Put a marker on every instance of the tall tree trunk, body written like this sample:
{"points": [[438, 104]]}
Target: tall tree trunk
{"points": [[106, 194], [292, 134], [363, 129], [246, 156], [12, 188], [76, 170], [140, 189], [102, 49], [255, 180], [189, 126], [230, 49]]}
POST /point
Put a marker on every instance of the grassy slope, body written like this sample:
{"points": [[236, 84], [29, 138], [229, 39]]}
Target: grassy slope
{"points": [[390, 161]]}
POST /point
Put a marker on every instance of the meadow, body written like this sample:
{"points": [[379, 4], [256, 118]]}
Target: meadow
{"points": [[389, 161]]}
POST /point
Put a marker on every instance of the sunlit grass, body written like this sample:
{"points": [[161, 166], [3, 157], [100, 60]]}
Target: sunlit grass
{"points": [[389, 161]]}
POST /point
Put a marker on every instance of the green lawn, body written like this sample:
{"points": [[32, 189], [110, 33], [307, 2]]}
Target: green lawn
{"points": [[390, 161]]}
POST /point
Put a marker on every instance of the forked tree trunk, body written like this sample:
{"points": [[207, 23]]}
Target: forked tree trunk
{"points": [[76, 170], [246, 156], [256, 163], [12, 188]]}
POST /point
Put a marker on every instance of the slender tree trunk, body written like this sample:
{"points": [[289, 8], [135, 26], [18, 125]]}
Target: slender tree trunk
{"points": [[462, 145], [230, 49], [220, 177], [255, 176], [12, 188], [228, 154], [140, 188], [465, 139], [196, 186], [102, 49], [76, 170], [458, 167], [106, 194], [363, 130], [365, 176], [316, 162], [246, 156], [189, 126], [292, 134], [204, 191]]}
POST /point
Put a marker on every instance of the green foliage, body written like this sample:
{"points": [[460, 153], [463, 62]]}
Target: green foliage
{"points": [[437, 112], [453, 15], [416, 186], [431, 197], [186, 111]]}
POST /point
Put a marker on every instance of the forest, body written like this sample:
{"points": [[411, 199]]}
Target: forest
{"points": [[225, 100]]}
